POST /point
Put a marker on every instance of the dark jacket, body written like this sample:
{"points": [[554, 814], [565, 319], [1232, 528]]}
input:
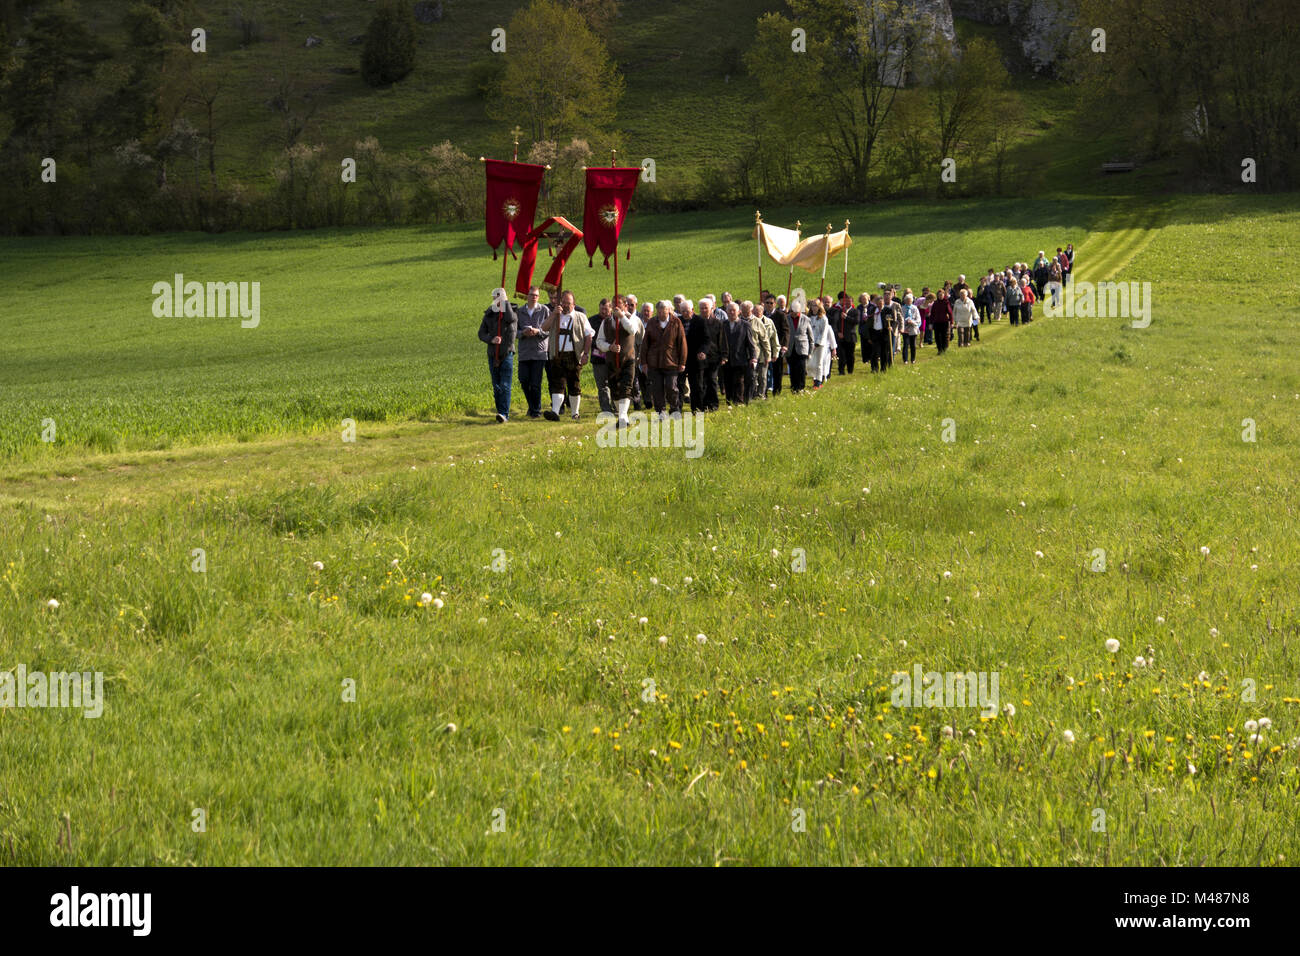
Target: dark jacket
{"points": [[941, 312], [844, 322], [782, 327], [738, 346], [700, 337], [498, 323]]}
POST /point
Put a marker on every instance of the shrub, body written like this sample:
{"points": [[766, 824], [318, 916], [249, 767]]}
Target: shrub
{"points": [[389, 51]]}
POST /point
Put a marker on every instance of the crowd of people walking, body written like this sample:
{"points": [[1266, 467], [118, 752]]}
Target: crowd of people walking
{"points": [[678, 354]]}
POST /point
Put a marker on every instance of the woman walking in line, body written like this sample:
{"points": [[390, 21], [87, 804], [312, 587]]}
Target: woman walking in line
{"points": [[911, 328], [963, 315]]}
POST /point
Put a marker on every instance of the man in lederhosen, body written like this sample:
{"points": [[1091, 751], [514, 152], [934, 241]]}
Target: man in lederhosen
{"points": [[568, 348]]}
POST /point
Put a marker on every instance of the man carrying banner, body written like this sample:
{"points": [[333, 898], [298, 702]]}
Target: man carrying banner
{"points": [[498, 330], [616, 336], [568, 348]]}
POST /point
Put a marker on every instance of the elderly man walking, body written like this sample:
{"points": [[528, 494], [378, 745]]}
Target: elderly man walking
{"points": [[665, 358], [738, 355]]}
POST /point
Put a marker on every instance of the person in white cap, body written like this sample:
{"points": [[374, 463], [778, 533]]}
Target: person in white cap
{"points": [[498, 330]]}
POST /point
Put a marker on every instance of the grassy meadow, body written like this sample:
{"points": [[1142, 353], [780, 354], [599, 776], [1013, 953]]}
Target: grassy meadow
{"points": [[532, 718]]}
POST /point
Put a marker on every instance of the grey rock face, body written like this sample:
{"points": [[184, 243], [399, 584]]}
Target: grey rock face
{"points": [[1041, 26]]}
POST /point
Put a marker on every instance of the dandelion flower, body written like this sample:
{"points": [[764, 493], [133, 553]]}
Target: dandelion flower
{"points": [[1160, 619], [643, 620], [701, 639], [1202, 677], [947, 733], [1265, 723], [654, 580], [1038, 554], [663, 638], [1112, 645], [426, 599], [1214, 632], [1009, 709], [1191, 768], [688, 579], [1069, 736], [437, 603], [1256, 738], [776, 553], [451, 728], [1139, 661], [52, 604], [393, 563], [1251, 726], [317, 566], [1204, 550], [947, 574]]}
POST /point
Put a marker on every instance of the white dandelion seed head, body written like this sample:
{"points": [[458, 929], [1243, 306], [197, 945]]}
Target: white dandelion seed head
{"points": [[1038, 554], [1112, 645], [1251, 726], [1265, 723], [1009, 709], [947, 574], [426, 598], [1214, 632], [1160, 619], [1068, 735], [700, 638], [1256, 738], [317, 566], [52, 604], [688, 580], [1202, 677], [1204, 550], [437, 603], [663, 638], [1191, 768], [1139, 661], [947, 733], [393, 563], [643, 620]]}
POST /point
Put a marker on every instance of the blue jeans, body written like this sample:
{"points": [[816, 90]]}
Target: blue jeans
{"points": [[502, 379]]}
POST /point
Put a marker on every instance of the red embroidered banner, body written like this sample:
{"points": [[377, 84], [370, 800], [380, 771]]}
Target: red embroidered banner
{"points": [[609, 193], [512, 190]]}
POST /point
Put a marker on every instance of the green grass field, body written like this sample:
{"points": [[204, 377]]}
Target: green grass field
{"points": [[224, 689]]}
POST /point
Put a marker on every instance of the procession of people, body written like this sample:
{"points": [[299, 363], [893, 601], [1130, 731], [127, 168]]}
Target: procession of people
{"points": [[678, 354]]}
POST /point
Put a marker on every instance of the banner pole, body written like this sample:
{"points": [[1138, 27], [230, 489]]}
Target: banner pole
{"points": [[846, 255], [758, 237], [826, 252], [790, 279]]}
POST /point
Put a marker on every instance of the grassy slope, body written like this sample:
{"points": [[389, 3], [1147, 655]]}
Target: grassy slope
{"points": [[1071, 435]]}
